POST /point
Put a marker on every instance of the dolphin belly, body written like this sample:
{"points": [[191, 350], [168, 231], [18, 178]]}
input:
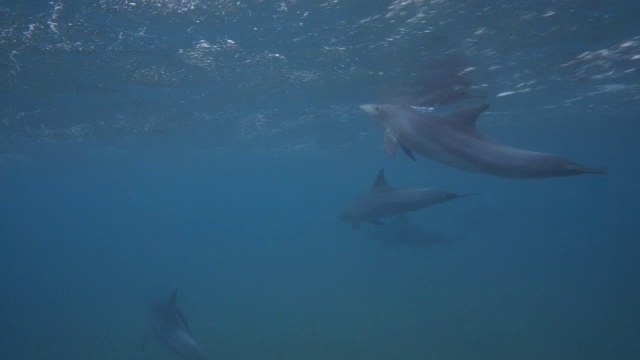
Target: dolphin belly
{"points": [[491, 157]]}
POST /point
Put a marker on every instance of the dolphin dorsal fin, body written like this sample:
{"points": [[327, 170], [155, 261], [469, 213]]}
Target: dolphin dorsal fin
{"points": [[469, 116], [381, 182], [172, 298]]}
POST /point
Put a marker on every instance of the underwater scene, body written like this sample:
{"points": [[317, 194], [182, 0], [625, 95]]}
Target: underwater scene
{"points": [[320, 180]]}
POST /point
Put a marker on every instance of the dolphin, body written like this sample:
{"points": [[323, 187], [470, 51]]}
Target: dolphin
{"points": [[385, 201], [401, 232], [454, 140], [445, 86], [170, 327]]}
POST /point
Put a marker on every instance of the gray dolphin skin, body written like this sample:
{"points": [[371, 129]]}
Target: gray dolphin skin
{"points": [[455, 141], [385, 201], [170, 327], [401, 232]]}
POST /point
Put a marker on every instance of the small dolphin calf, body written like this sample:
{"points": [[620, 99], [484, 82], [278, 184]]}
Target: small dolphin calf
{"points": [[170, 327], [401, 232], [384, 201], [454, 140]]}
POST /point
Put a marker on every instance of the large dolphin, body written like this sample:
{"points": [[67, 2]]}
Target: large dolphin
{"points": [[170, 327], [384, 201], [454, 140]]}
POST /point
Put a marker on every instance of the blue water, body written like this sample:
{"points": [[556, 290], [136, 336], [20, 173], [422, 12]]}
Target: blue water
{"points": [[210, 145]]}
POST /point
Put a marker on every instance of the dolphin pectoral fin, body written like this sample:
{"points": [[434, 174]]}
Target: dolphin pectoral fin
{"points": [[355, 225], [390, 143], [408, 152], [376, 222]]}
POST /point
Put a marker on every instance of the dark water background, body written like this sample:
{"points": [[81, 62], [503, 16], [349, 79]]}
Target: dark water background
{"points": [[209, 146]]}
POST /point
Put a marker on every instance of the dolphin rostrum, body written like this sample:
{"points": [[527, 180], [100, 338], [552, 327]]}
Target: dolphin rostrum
{"points": [[170, 327], [454, 140], [385, 201]]}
